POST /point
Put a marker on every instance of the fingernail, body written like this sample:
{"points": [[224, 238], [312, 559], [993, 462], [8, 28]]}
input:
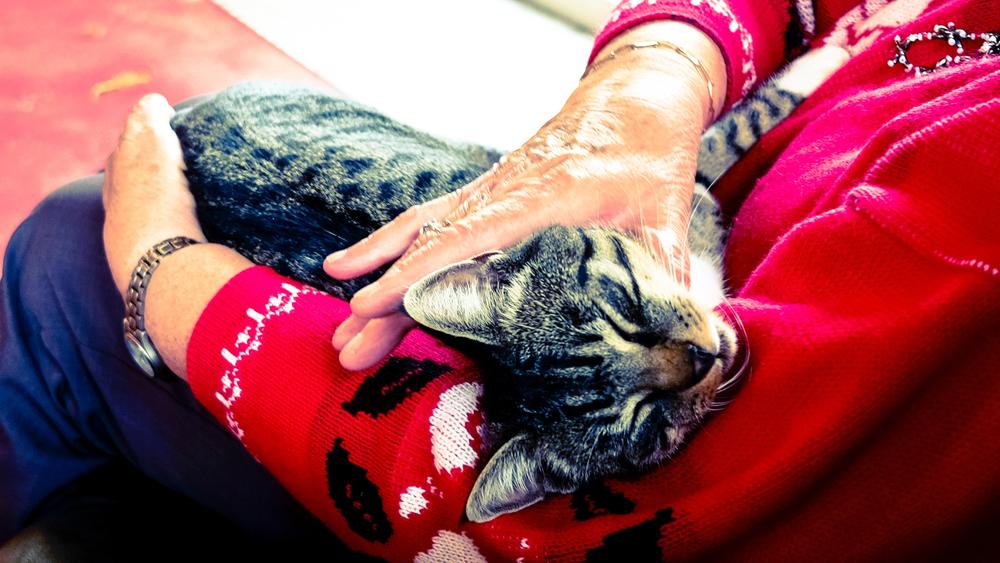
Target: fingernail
{"points": [[348, 355], [338, 341], [335, 256], [331, 262]]}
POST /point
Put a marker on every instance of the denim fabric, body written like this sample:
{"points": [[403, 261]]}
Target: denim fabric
{"points": [[72, 402]]}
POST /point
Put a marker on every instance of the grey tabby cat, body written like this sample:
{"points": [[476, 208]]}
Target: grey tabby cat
{"points": [[598, 363]]}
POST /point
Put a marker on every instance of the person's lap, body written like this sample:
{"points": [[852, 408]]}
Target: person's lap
{"points": [[73, 402]]}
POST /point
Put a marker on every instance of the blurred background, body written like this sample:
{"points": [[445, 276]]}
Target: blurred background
{"points": [[488, 71]]}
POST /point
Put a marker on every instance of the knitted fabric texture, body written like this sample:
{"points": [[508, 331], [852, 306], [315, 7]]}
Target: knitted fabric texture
{"points": [[864, 261], [754, 37]]}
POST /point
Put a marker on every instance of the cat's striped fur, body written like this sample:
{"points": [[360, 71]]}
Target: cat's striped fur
{"points": [[600, 363]]}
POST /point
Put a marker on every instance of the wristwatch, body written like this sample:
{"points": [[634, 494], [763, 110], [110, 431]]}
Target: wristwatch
{"points": [[137, 340]]}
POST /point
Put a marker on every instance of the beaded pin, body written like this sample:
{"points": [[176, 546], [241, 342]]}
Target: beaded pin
{"points": [[953, 36]]}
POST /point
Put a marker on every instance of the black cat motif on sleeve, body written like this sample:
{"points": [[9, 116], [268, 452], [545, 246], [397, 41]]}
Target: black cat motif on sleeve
{"points": [[396, 380], [356, 496], [640, 542], [598, 499]]}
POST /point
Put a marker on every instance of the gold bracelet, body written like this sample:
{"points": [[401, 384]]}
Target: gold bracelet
{"points": [[666, 45]]}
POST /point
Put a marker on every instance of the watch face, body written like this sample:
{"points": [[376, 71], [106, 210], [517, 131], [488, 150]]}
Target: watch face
{"points": [[139, 355]]}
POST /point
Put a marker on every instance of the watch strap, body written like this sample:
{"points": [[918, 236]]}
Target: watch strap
{"points": [[136, 338]]}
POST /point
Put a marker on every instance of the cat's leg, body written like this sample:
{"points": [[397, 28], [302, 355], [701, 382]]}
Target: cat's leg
{"points": [[73, 402]]}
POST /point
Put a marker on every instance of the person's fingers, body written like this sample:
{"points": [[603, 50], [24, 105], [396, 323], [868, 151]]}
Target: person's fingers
{"points": [[348, 330], [148, 137], [390, 241], [158, 114], [152, 110], [510, 168], [376, 339], [394, 238], [500, 171], [498, 225]]}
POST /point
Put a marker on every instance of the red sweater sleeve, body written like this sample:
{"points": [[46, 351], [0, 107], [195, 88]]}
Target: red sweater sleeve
{"points": [[382, 456], [754, 36]]}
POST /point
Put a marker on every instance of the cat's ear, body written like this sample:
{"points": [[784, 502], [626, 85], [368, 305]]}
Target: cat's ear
{"points": [[461, 300], [511, 480]]}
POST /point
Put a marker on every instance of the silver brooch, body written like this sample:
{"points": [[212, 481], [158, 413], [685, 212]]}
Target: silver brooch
{"points": [[955, 37]]}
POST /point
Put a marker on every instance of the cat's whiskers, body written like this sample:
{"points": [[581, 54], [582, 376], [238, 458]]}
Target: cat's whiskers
{"points": [[744, 368], [694, 210], [659, 260], [712, 184], [593, 447]]}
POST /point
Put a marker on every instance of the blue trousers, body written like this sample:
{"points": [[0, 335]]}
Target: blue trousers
{"points": [[72, 402]]}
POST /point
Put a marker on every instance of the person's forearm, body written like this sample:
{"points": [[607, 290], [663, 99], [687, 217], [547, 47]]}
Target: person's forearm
{"points": [[178, 293]]}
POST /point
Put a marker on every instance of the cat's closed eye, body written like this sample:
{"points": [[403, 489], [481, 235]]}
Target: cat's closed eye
{"points": [[620, 300], [624, 315]]}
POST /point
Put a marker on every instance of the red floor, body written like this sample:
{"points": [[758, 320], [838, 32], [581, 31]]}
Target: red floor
{"points": [[54, 126]]}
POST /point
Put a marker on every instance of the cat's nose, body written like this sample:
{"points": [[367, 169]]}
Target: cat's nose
{"points": [[702, 362]]}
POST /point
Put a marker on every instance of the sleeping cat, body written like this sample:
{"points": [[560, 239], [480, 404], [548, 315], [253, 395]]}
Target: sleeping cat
{"points": [[598, 362]]}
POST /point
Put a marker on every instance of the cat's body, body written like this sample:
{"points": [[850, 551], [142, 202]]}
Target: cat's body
{"points": [[599, 364], [286, 175]]}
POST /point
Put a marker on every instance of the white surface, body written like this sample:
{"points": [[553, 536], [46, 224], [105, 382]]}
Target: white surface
{"points": [[590, 14], [488, 71]]}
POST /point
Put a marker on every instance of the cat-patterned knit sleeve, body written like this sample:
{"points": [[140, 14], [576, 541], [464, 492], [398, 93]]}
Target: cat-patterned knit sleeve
{"points": [[384, 457], [755, 36]]}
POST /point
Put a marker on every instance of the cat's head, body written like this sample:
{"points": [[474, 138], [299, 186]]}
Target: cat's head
{"points": [[603, 363]]}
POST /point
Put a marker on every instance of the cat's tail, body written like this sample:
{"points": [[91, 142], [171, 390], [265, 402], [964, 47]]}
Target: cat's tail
{"points": [[734, 133]]}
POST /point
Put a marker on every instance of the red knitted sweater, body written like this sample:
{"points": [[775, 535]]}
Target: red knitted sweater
{"points": [[865, 262]]}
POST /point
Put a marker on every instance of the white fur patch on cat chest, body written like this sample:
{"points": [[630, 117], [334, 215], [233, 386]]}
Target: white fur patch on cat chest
{"points": [[706, 283]]}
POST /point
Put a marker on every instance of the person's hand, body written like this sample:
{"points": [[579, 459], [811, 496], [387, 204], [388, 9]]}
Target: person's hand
{"points": [[622, 152], [146, 197]]}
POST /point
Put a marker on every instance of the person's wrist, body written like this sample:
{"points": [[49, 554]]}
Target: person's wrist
{"points": [[652, 107], [133, 251], [653, 78], [180, 290], [684, 69]]}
